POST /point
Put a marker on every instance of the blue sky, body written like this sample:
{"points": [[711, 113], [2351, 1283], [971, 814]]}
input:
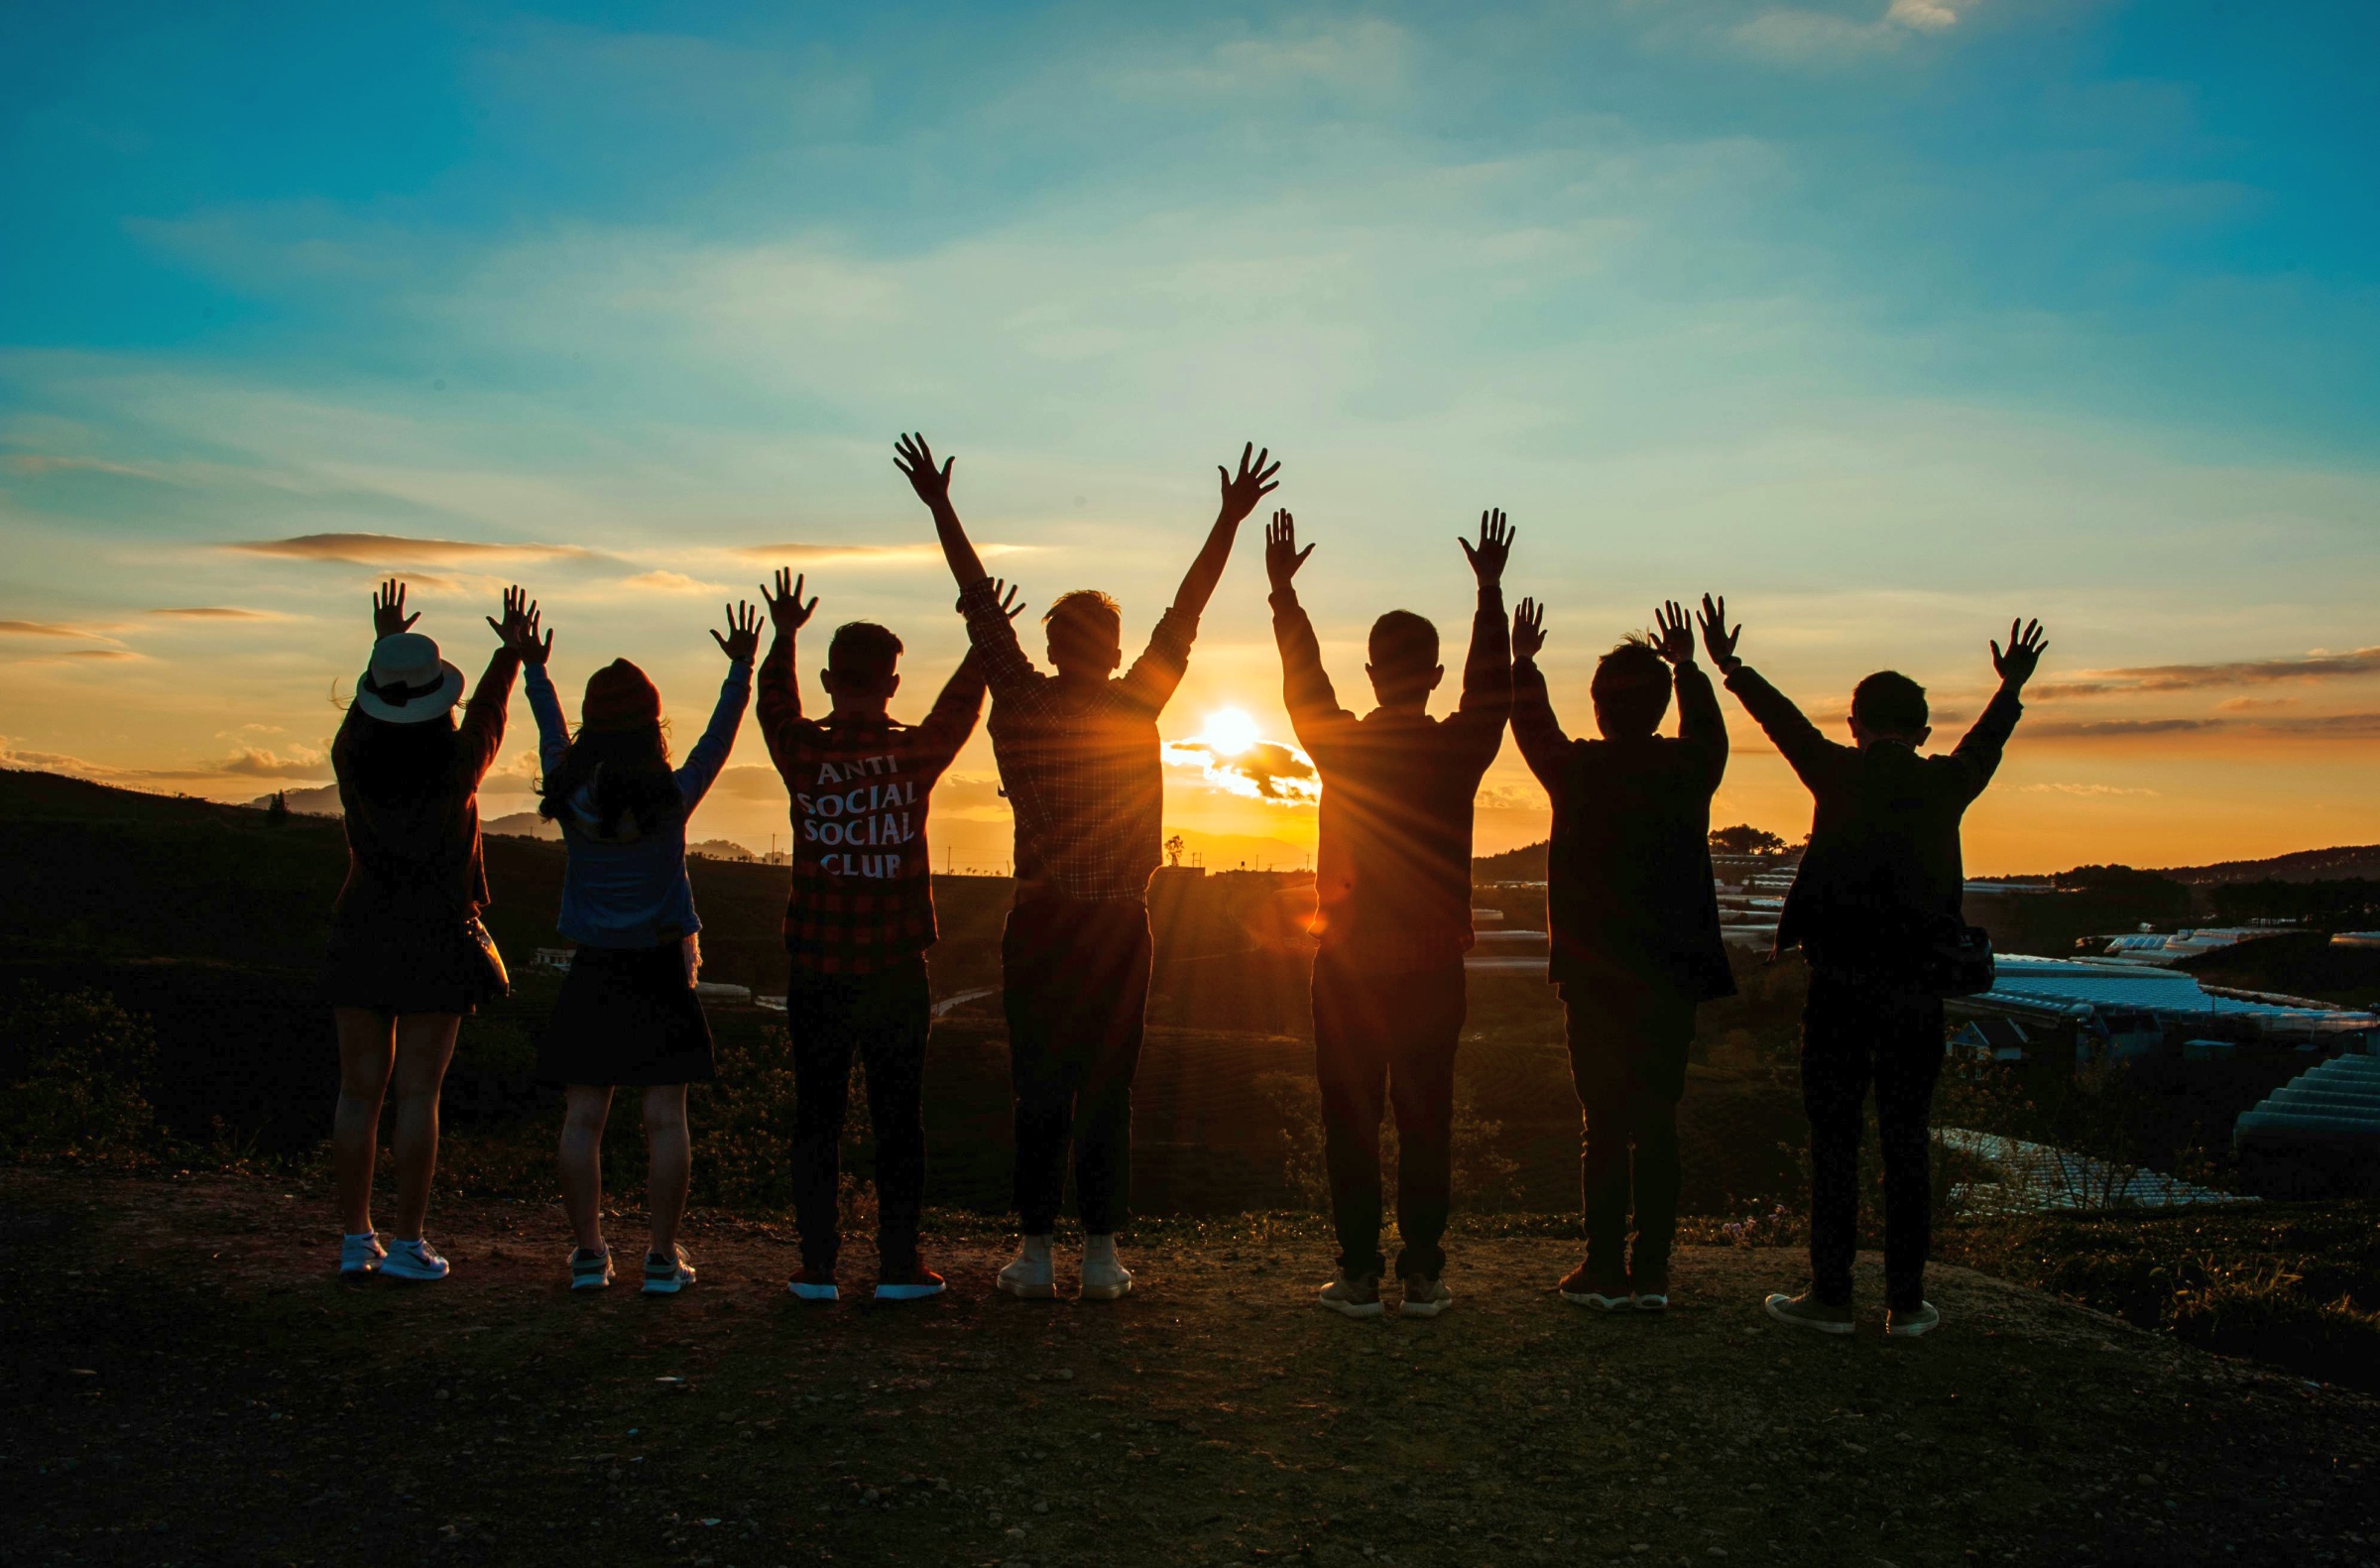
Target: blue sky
{"points": [[1890, 319]]}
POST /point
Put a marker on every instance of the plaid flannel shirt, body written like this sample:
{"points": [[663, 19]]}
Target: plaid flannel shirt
{"points": [[863, 894], [1081, 770]]}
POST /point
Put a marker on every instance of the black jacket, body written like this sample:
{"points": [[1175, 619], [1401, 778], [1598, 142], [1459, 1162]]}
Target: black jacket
{"points": [[1628, 878], [1883, 874]]}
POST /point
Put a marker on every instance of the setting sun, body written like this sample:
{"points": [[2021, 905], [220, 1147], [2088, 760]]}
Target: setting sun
{"points": [[1229, 730]]}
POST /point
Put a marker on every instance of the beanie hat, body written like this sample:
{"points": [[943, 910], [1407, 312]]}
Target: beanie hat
{"points": [[619, 697]]}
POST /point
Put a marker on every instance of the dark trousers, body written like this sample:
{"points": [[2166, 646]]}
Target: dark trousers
{"points": [[1387, 1040], [1629, 1037], [885, 1018], [1856, 1031], [1075, 977]]}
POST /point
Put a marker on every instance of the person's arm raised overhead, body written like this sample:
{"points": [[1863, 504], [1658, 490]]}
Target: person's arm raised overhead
{"points": [[1306, 690], [778, 703], [1159, 667], [1804, 748], [481, 733], [952, 719], [1543, 746], [915, 461], [523, 637], [1981, 749], [1702, 728], [1488, 668], [740, 642], [1007, 669]]}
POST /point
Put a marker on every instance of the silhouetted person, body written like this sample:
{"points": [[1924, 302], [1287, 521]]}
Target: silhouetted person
{"points": [[628, 1015], [408, 955], [859, 918], [1392, 877], [1634, 923], [1079, 760], [1875, 906]]}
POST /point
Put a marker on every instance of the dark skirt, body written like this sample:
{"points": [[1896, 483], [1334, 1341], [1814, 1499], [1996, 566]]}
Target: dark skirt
{"points": [[626, 1019], [405, 965]]}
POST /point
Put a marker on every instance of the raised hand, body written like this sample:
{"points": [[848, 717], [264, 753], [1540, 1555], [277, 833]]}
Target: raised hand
{"points": [[1528, 629], [743, 638], [1718, 640], [1496, 544], [1253, 482], [1006, 597], [517, 631], [787, 612], [915, 459], [1282, 558], [388, 610], [2023, 656], [1677, 634]]}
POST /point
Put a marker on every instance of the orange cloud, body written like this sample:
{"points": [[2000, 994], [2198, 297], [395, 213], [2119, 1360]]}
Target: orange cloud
{"points": [[217, 612], [2194, 677], [40, 629], [891, 555], [392, 550]]}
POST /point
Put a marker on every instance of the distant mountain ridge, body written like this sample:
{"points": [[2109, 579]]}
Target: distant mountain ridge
{"points": [[1527, 864]]}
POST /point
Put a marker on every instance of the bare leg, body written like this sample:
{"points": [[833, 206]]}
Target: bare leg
{"points": [[424, 1045], [669, 1159], [366, 1049], [585, 1108]]}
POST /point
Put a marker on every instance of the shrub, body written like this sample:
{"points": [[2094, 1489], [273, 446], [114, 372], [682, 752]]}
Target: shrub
{"points": [[73, 1064]]}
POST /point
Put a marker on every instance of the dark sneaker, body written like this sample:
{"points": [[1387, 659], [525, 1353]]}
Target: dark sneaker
{"points": [[1808, 1311], [1351, 1295], [1606, 1294], [814, 1284], [668, 1276], [1651, 1290], [590, 1270], [1908, 1324], [1426, 1297], [911, 1284]]}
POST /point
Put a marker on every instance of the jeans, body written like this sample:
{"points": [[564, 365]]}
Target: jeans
{"points": [[1627, 1059], [1856, 1031], [1387, 1038], [1075, 978], [885, 1018]]}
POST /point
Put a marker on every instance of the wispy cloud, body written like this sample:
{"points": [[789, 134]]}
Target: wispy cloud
{"points": [[393, 550], [46, 463], [669, 582], [2317, 666], [2085, 790], [2311, 726], [1797, 36], [1266, 771], [217, 612], [40, 629]]}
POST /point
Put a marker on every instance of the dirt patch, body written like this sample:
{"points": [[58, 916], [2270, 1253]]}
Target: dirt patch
{"points": [[189, 1383]]}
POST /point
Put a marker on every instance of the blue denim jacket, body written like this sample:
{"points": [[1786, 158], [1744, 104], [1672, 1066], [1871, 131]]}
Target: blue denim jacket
{"points": [[631, 891]]}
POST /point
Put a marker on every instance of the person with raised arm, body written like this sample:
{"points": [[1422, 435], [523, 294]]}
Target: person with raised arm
{"points": [[1632, 921], [408, 955], [1392, 881], [1079, 760], [1876, 909], [628, 1015], [859, 918]]}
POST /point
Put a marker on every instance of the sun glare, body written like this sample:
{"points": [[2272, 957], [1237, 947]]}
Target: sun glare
{"points": [[1230, 732]]}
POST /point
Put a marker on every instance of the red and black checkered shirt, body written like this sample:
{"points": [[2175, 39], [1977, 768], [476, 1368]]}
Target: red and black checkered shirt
{"points": [[863, 894], [1082, 769]]}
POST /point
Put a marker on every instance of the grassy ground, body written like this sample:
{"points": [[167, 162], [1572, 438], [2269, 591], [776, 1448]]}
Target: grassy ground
{"points": [[185, 1382]]}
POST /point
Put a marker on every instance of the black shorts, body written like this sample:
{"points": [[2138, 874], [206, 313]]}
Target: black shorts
{"points": [[405, 966], [627, 1018]]}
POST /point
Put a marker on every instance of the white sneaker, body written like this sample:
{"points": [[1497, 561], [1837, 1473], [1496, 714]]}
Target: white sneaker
{"points": [[1351, 1295], [413, 1260], [1106, 1279], [1031, 1275], [1909, 1325], [360, 1256]]}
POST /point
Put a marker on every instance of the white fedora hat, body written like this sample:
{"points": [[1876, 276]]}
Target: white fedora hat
{"points": [[407, 682]]}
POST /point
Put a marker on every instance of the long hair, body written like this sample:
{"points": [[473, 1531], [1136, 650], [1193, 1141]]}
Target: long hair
{"points": [[401, 764], [629, 773]]}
